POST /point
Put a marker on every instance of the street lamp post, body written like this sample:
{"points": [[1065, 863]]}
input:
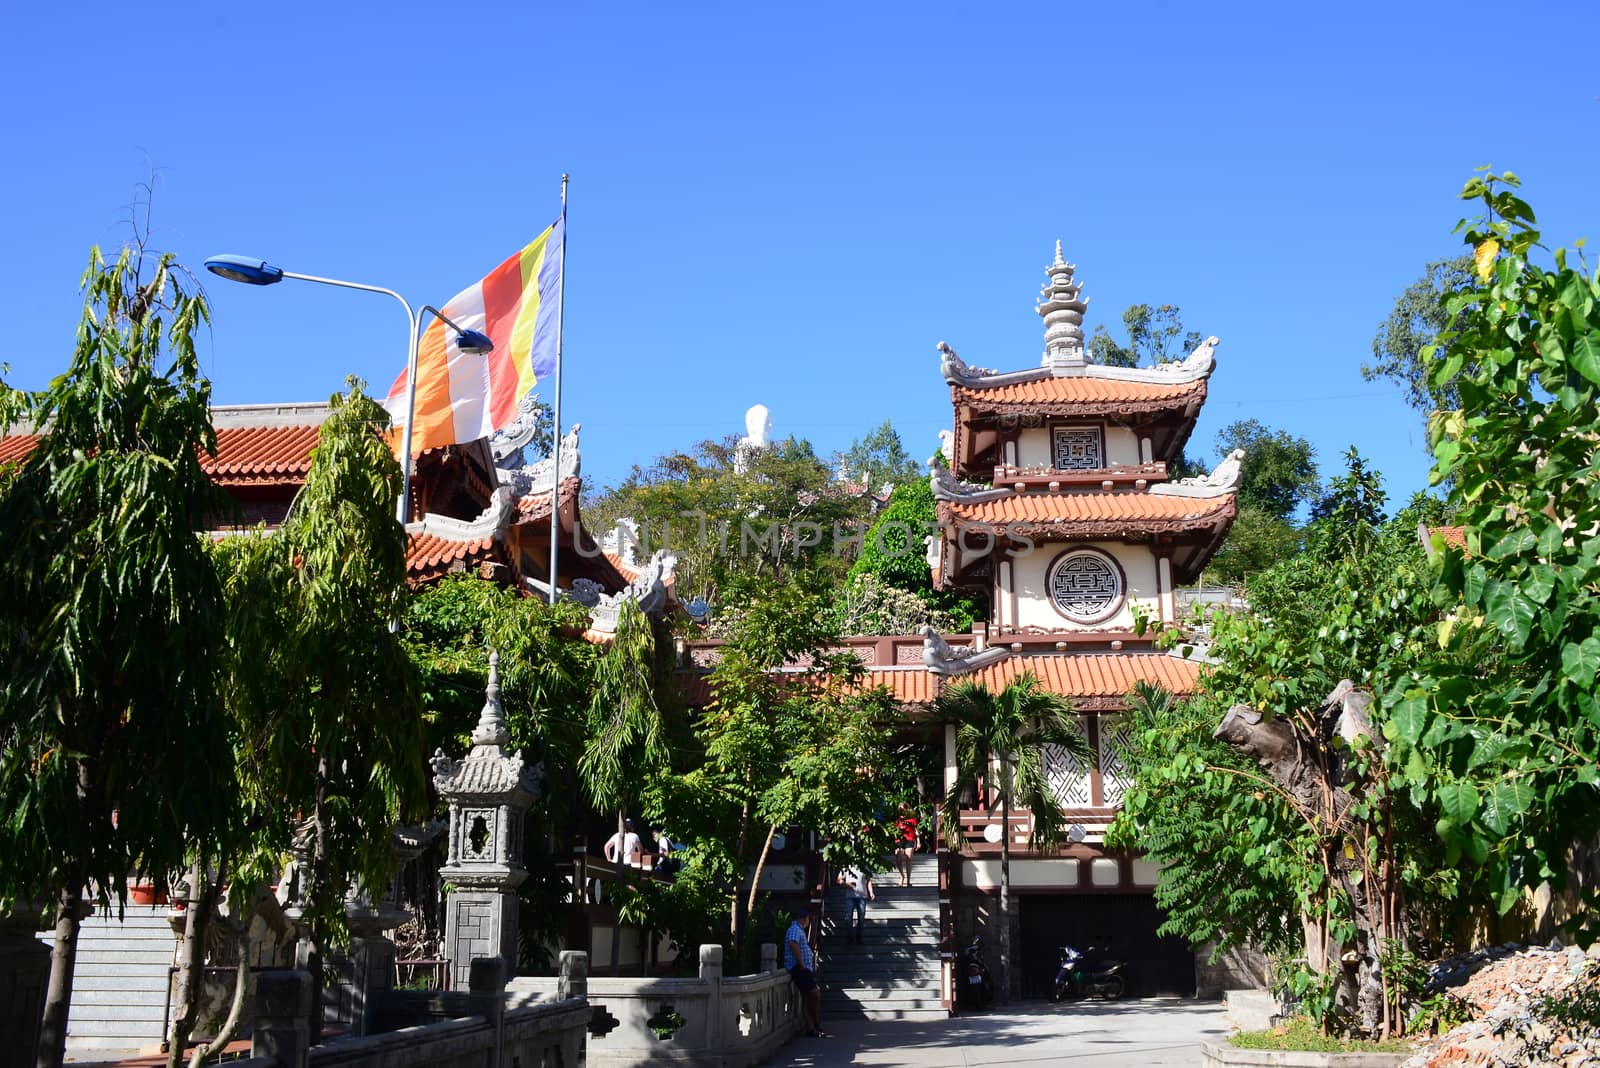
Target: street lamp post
{"points": [[257, 272]]}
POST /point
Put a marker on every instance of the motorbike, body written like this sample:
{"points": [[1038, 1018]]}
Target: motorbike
{"points": [[1078, 978], [974, 987]]}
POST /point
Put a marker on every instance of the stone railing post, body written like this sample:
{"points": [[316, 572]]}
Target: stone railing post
{"points": [[769, 957], [487, 985], [24, 970], [711, 976], [574, 979], [283, 1018]]}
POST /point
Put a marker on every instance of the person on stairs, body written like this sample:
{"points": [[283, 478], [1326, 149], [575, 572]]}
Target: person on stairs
{"points": [[798, 959], [858, 890], [905, 842]]}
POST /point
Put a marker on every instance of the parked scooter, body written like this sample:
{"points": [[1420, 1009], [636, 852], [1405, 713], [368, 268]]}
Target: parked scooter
{"points": [[1077, 978], [974, 987]]}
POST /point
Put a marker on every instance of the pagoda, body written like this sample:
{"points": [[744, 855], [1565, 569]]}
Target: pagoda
{"points": [[1055, 501]]}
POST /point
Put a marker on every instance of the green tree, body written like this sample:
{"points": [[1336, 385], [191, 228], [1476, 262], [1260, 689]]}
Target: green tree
{"points": [[1504, 736], [787, 736], [1009, 729], [894, 558], [110, 613], [1257, 541], [879, 458], [736, 525], [1233, 856], [1155, 335], [1279, 472], [1413, 325], [322, 687]]}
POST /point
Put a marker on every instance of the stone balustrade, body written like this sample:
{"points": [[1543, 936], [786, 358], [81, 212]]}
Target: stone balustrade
{"points": [[710, 1019]]}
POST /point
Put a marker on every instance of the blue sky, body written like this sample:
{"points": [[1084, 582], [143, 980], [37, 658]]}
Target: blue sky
{"points": [[791, 203]]}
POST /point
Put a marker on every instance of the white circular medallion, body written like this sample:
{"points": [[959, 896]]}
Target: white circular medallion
{"points": [[1085, 585], [992, 833]]}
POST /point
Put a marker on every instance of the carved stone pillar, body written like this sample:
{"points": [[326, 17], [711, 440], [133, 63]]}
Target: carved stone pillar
{"points": [[488, 793]]}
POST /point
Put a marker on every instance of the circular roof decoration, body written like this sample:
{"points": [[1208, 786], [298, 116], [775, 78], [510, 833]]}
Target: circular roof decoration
{"points": [[1086, 585]]}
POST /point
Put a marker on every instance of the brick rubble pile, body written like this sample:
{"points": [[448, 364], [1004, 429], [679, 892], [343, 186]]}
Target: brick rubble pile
{"points": [[1509, 990]]}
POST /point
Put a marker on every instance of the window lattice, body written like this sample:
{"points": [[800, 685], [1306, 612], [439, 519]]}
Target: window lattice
{"points": [[1085, 586], [1114, 739], [1077, 448], [1067, 775]]}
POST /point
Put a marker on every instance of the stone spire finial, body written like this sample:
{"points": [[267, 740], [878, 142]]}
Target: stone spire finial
{"points": [[491, 729], [1061, 308]]}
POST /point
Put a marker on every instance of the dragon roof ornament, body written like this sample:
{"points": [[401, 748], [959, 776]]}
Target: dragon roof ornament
{"points": [[648, 591], [507, 443], [946, 487], [942, 658], [489, 522], [541, 477], [1223, 480], [957, 372]]}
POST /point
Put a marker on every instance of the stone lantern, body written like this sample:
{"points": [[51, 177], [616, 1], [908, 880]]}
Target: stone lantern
{"points": [[488, 793]]}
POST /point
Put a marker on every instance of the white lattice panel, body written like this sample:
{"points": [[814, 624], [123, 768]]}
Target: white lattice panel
{"points": [[1067, 775], [1114, 738]]}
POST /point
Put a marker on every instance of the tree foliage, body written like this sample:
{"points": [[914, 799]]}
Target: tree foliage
{"points": [[879, 459], [1503, 735], [1404, 345], [110, 613], [1155, 335], [894, 561], [735, 525], [787, 736], [1279, 472]]}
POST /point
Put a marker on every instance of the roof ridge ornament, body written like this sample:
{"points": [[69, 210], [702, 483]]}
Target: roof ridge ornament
{"points": [[491, 729], [958, 372], [946, 487], [1224, 479], [494, 517], [540, 478], [942, 658], [1061, 306]]}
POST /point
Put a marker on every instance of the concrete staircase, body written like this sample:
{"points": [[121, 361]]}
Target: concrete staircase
{"points": [[119, 987], [894, 973]]}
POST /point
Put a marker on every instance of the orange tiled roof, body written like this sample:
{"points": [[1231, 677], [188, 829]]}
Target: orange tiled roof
{"points": [[1081, 396], [246, 456], [1455, 537], [1093, 681], [429, 555], [1090, 514], [1096, 678]]}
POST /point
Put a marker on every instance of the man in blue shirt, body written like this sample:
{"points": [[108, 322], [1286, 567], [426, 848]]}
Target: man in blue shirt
{"points": [[801, 964]]}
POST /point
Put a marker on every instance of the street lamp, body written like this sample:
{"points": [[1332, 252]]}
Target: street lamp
{"points": [[257, 272]]}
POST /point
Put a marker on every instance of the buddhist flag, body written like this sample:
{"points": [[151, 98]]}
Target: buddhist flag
{"points": [[464, 396]]}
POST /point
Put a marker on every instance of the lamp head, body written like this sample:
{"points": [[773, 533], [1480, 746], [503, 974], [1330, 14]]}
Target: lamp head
{"points": [[474, 342], [245, 269]]}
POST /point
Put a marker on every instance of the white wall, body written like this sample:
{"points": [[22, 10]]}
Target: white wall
{"points": [[1033, 607], [1034, 450]]}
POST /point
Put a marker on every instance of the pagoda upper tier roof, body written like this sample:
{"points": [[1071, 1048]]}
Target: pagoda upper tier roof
{"points": [[1081, 388], [1090, 515]]}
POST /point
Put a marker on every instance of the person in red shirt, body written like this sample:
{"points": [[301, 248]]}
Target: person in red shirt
{"points": [[905, 843]]}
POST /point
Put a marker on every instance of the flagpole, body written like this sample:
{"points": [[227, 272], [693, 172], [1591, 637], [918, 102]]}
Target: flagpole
{"points": [[555, 451]]}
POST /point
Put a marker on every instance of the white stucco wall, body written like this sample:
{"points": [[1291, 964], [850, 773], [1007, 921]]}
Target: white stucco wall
{"points": [[985, 874], [1033, 446], [1033, 607]]}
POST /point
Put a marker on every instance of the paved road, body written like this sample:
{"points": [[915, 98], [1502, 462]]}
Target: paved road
{"points": [[1147, 1033]]}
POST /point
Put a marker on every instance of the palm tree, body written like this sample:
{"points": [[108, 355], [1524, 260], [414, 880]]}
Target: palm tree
{"points": [[1010, 728]]}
